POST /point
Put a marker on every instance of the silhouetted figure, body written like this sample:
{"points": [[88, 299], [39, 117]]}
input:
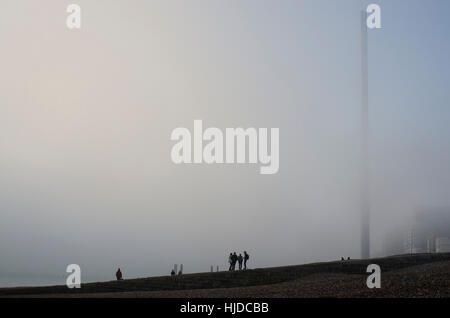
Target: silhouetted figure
{"points": [[348, 258], [235, 258], [172, 273], [240, 259], [246, 257], [119, 274], [230, 260], [342, 259]]}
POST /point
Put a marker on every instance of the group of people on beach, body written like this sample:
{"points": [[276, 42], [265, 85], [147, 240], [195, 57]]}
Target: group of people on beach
{"points": [[233, 259], [239, 259]]}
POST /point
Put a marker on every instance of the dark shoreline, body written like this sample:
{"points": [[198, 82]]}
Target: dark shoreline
{"points": [[168, 286]]}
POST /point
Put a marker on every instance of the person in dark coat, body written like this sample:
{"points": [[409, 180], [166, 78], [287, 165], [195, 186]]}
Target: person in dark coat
{"points": [[119, 274], [235, 259], [246, 257], [240, 259]]}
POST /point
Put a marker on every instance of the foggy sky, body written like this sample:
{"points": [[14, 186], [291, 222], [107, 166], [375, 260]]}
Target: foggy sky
{"points": [[86, 116]]}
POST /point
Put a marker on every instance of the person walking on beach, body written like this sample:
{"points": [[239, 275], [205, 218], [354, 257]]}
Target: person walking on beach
{"points": [[119, 274], [246, 257], [240, 259]]}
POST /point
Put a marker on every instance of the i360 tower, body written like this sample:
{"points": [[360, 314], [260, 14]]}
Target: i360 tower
{"points": [[365, 197]]}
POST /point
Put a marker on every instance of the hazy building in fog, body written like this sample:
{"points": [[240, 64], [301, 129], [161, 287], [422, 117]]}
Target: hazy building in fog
{"points": [[429, 233]]}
